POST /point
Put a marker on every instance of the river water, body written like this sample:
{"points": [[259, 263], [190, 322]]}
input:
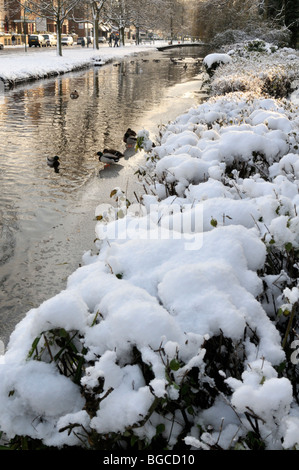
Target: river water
{"points": [[46, 217]]}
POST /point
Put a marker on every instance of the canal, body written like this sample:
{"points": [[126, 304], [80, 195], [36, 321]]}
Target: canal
{"points": [[46, 217]]}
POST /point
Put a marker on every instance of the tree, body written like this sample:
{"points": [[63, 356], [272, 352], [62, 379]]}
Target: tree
{"points": [[285, 13], [250, 16], [118, 13], [89, 12], [164, 15], [54, 10], [144, 15]]}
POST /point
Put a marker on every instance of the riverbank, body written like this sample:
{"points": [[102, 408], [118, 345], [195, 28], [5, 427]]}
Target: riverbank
{"points": [[179, 331], [22, 67]]}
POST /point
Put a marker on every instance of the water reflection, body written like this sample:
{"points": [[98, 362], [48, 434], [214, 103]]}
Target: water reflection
{"points": [[46, 215]]}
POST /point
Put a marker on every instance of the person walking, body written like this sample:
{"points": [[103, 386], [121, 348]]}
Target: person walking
{"points": [[116, 41], [13, 39]]}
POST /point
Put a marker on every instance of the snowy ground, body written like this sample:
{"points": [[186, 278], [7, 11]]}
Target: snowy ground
{"points": [[173, 273]]}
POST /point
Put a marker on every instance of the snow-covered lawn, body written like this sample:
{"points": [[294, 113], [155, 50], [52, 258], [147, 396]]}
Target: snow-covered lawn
{"points": [[177, 329]]}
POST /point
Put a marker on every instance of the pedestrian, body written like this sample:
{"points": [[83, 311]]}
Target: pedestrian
{"points": [[83, 42], [116, 41], [110, 39], [13, 40]]}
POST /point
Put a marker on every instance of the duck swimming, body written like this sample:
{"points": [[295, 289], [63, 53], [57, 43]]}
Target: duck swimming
{"points": [[53, 161], [74, 95], [109, 156], [130, 138]]}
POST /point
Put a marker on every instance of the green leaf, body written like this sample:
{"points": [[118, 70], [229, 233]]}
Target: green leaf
{"points": [[214, 222], [160, 428], [263, 379], [34, 346], [174, 364], [133, 441]]}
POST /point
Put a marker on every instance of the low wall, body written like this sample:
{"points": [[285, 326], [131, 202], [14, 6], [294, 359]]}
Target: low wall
{"points": [[7, 41]]}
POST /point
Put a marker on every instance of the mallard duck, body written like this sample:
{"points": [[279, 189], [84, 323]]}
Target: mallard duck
{"points": [[74, 95], [130, 138], [109, 156], [53, 161]]}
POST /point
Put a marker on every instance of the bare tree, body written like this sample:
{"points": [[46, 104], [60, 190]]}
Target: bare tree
{"points": [[169, 16], [54, 10], [89, 12], [284, 13], [214, 16]]}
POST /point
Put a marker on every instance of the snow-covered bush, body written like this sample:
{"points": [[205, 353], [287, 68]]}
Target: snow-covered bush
{"points": [[278, 37], [179, 332], [213, 61], [272, 72]]}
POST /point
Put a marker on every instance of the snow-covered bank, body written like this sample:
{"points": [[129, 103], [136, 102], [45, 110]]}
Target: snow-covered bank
{"points": [[21, 67], [177, 330]]}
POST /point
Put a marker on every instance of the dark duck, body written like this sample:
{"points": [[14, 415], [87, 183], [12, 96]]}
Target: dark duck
{"points": [[130, 138]]}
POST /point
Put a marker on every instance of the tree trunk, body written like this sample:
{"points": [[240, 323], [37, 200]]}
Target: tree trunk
{"points": [[96, 32], [59, 28], [122, 34]]}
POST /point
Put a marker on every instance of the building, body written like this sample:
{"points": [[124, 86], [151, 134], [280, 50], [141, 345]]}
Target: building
{"points": [[16, 18], [3, 17]]}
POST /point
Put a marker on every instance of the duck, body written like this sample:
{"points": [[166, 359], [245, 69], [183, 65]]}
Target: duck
{"points": [[53, 161], [74, 95], [109, 156], [130, 138]]}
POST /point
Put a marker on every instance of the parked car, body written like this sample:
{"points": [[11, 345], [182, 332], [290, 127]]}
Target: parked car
{"points": [[67, 41], [102, 39], [81, 39], [50, 40], [37, 40]]}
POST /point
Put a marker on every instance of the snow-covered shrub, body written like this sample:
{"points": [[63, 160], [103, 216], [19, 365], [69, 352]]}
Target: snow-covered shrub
{"points": [[256, 46], [273, 72], [212, 61], [278, 37], [231, 36]]}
